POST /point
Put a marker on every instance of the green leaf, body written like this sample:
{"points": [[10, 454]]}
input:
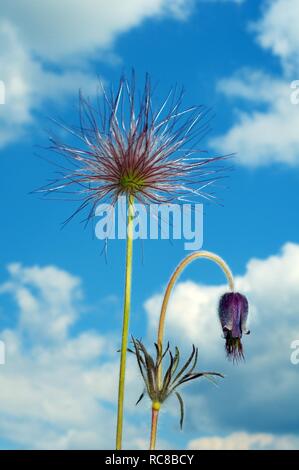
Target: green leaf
{"points": [[181, 408], [176, 360], [140, 398], [194, 362], [197, 375], [186, 365], [160, 356], [139, 361], [149, 368], [167, 377]]}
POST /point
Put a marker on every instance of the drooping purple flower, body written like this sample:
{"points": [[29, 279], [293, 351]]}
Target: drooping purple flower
{"points": [[233, 313], [125, 147]]}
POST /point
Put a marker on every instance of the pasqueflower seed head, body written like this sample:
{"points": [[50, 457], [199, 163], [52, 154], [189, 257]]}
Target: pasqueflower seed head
{"points": [[125, 147]]}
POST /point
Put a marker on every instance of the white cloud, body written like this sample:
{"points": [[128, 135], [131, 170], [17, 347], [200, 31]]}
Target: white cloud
{"points": [[266, 127], [28, 85], [192, 298], [57, 389], [57, 292], [245, 441], [278, 31], [264, 135], [56, 31], [46, 46], [262, 393]]}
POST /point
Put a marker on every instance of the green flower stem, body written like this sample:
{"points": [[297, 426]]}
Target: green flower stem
{"points": [[183, 264], [126, 320]]}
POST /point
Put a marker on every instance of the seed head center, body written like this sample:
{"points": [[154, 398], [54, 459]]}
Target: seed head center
{"points": [[131, 182]]}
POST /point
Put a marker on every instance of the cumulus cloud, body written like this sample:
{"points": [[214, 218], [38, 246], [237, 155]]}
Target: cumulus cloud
{"points": [[260, 396], [192, 298], [57, 388], [267, 119], [277, 31], [59, 384], [46, 48], [268, 133], [51, 310], [28, 84], [245, 441], [56, 32]]}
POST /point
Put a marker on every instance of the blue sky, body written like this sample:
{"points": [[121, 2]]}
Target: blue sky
{"points": [[60, 301]]}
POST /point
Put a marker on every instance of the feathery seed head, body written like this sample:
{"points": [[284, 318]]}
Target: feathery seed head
{"points": [[128, 148]]}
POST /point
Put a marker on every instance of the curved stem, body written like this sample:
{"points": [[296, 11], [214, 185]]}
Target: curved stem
{"points": [[126, 319], [183, 264]]}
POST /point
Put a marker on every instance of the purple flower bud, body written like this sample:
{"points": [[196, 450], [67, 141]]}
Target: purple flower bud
{"points": [[233, 312]]}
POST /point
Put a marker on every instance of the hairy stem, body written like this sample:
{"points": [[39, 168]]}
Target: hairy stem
{"points": [[126, 320], [183, 264]]}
